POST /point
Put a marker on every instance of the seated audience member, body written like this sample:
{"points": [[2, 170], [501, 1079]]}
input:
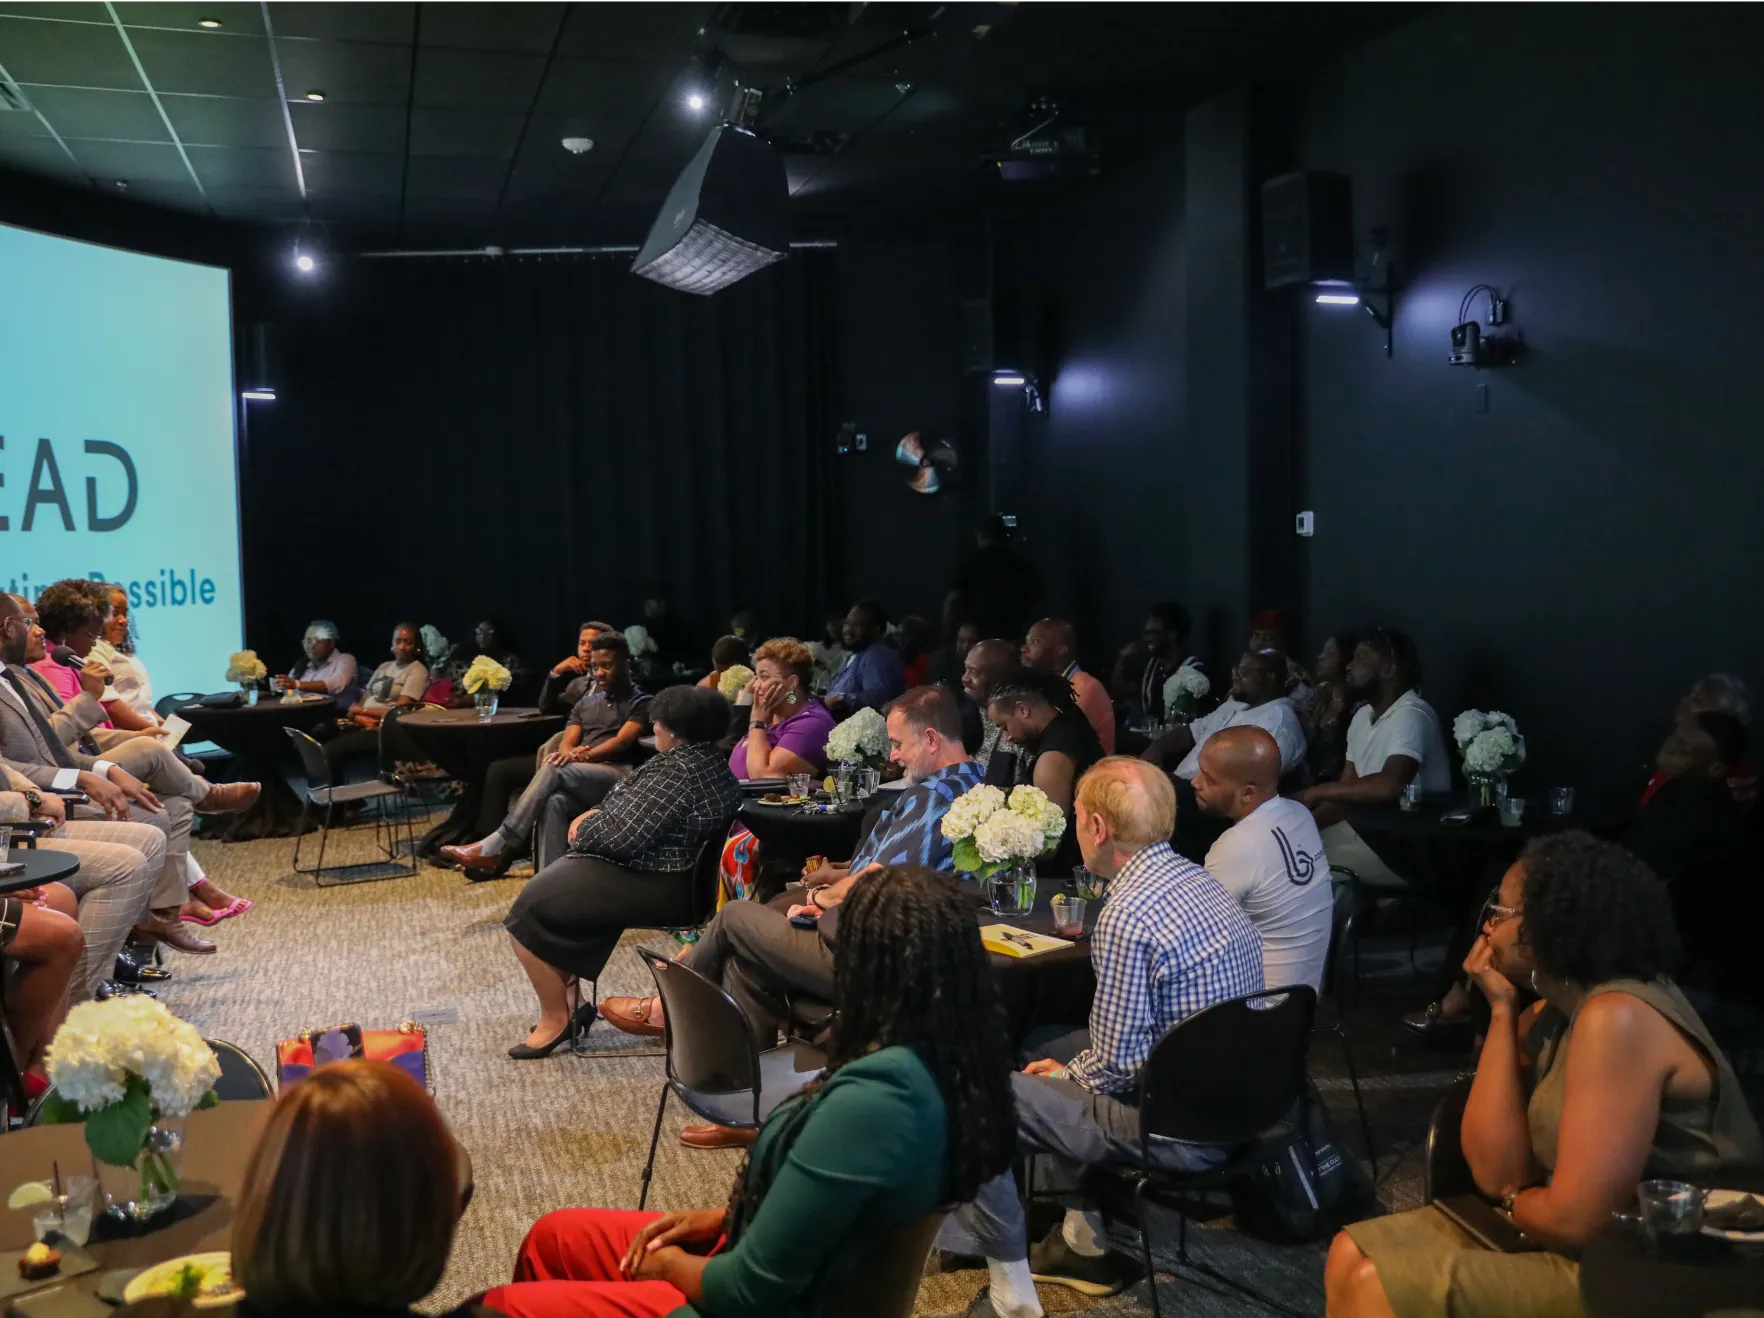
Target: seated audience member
{"points": [[41, 942], [1052, 648], [72, 614], [1270, 859], [871, 675], [76, 724], [490, 641], [726, 652], [787, 727], [830, 652], [1258, 686], [912, 1111], [986, 662], [1610, 1079], [350, 1198], [1145, 665], [629, 863], [600, 745], [1169, 942], [1393, 738], [398, 683], [326, 670], [914, 647], [948, 659], [1726, 694], [758, 955], [572, 678], [1330, 712], [744, 626], [1053, 741], [1268, 631], [115, 650]]}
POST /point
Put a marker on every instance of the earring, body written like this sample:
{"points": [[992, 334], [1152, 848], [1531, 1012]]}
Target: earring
{"points": [[1534, 988]]}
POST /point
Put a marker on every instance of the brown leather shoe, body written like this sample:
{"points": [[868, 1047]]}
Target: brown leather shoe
{"points": [[172, 933], [717, 1137], [470, 858], [630, 1015], [229, 798]]}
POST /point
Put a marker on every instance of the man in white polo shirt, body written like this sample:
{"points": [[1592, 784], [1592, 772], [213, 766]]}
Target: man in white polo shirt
{"points": [[1258, 699], [1394, 737], [1271, 858]]}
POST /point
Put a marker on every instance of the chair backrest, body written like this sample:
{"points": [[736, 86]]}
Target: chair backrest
{"points": [[166, 704], [241, 1077], [1341, 931], [1231, 1071], [886, 1283], [312, 758], [1445, 1171], [707, 874], [710, 1048]]}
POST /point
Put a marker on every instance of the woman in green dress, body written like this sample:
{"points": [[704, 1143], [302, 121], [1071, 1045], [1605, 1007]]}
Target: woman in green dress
{"points": [[1609, 1080]]}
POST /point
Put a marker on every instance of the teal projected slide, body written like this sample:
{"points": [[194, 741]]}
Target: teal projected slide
{"points": [[116, 443]]}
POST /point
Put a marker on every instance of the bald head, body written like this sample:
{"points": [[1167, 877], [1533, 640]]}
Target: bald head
{"points": [[1050, 646], [1239, 770], [985, 663]]}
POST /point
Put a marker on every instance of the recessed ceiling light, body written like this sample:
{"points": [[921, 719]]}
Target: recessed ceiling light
{"points": [[577, 145], [315, 96], [122, 184], [208, 22], [695, 101]]}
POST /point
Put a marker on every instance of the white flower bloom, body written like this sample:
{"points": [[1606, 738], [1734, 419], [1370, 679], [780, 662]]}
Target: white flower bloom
{"points": [[101, 1044], [1032, 803], [734, 680], [1006, 836], [485, 674], [637, 638], [863, 736], [969, 809], [1467, 725], [1187, 682]]}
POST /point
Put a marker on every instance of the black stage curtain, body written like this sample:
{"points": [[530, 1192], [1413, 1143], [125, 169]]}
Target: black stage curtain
{"points": [[540, 441]]}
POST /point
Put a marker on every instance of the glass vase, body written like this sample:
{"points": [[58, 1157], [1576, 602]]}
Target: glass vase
{"points": [[486, 702], [1011, 891], [150, 1185], [1486, 789], [249, 691]]}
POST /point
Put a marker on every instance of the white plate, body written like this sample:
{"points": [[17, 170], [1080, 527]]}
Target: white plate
{"points": [[149, 1283], [1721, 1198]]}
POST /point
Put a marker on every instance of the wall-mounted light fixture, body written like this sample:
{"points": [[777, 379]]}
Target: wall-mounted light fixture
{"points": [[1024, 380]]}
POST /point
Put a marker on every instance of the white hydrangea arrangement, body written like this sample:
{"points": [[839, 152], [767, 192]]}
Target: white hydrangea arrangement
{"points": [[993, 832], [1185, 687], [245, 666], [1489, 742], [734, 680], [639, 641], [861, 739], [485, 674], [121, 1065]]}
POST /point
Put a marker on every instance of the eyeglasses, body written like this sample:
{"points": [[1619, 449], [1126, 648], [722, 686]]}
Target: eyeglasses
{"points": [[1495, 914]]}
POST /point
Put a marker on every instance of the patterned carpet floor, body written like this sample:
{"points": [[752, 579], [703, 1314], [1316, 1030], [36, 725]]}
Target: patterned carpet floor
{"points": [[573, 1130]]}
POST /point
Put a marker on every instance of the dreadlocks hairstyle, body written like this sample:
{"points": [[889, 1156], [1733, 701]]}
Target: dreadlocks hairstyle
{"points": [[911, 971], [1026, 683]]}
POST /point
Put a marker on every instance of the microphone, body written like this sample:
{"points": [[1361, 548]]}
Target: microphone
{"points": [[66, 657]]}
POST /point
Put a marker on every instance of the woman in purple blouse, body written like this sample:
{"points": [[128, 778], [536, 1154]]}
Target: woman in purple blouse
{"points": [[787, 727]]}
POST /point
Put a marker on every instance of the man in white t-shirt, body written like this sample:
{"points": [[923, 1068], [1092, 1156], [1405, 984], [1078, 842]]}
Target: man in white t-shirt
{"points": [[1271, 858], [1395, 737], [1258, 699]]}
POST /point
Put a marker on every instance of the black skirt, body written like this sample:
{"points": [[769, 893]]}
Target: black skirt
{"points": [[572, 913]]}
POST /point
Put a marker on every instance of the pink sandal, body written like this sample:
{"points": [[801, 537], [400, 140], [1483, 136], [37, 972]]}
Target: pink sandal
{"points": [[238, 907]]}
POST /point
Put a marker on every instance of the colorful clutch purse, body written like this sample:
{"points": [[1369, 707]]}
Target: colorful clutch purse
{"points": [[406, 1047]]}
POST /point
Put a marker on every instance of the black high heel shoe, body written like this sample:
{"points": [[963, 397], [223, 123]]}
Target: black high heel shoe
{"points": [[584, 1016]]}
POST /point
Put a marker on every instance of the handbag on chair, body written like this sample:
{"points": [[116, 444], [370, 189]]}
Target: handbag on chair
{"points": [[406, 1047]]}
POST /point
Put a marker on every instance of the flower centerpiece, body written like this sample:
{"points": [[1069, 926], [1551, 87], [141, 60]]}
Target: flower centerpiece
{"points": [[1184, 689], [734, 680], [641, 644], [132, 1072], [860, 742], [247, 670], [995, 835], [1492, 748], [486, 680]]}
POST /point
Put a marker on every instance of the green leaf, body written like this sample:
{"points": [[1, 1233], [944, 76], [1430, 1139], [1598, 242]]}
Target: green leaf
{"points": [[210, 1099], [967, 855], [116, 1133], [59, 1110]]}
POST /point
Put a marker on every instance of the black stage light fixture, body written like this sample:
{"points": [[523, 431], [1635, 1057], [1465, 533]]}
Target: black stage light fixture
{"points": [[724, 217]]}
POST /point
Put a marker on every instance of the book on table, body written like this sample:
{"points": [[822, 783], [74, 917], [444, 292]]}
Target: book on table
{"points": [[1008, 940]]}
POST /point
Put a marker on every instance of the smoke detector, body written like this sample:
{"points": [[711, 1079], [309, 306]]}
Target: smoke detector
{"points": [[578, 145]]}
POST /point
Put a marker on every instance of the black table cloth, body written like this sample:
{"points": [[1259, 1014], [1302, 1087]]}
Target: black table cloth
{"points": [[1622, 1277], [42, 865], [257, 737], [1054, 988], [466, 746], [788, 835]]}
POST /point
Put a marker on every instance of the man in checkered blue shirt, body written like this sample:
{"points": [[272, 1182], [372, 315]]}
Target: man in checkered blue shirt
{"points": [[1168, 943]]}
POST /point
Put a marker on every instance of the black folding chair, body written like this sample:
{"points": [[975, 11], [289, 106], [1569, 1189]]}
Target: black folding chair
{"points": [[411, 779], [713, 1065], [885, 1283], [1232, 1076], [322, 792], [1341, 935], [1446, 1171], [241, 1078]]}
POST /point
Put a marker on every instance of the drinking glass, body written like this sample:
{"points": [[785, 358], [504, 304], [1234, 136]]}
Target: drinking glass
{"points": [[1068, 915], [1412, 794], [801, 784], [845, 783], [1500, 790], [69, 1214], [5, 840], [1512, 811], [252, 695], [1669, 1208], [1087, 882], [868, 780], [1561, 800]]}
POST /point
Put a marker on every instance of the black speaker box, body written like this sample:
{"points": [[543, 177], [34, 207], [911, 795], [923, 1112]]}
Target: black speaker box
{"points": [[1307, 228]]}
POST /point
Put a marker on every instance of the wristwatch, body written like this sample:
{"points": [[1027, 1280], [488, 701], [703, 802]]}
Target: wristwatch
{"points": [[33, 800], [1508, 1200]]}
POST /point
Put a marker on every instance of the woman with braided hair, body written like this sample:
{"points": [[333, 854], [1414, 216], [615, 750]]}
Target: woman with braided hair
{"points": [[1054, 743], [915, 1109]]}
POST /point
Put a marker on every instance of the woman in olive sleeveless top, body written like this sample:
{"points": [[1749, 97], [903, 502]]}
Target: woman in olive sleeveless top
{"points": [[1610, 1080]]}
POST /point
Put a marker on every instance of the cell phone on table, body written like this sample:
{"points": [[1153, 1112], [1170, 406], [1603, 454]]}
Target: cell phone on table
{"points": [[1462, 815], [532, 713]]}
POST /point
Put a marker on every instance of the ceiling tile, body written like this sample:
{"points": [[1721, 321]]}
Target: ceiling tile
{"points": [[75, 113], [351, 72], [243, 167], [354, 207], [256, 203], [227, 121], [528, 29], [349, 171], [184, 195], [39, 155], [579, 86], [664, 33], [464, 133], [68, 12], [22, 123], [137, 162], [476, 80], [65, 54], [234, 16], [205, 63], [343, 22], [533, 182], [334, 127], [457, 177]]}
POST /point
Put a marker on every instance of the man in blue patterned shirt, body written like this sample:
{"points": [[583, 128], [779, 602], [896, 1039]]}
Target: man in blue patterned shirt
{"points": [[1169, 942], [753, 949]]}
